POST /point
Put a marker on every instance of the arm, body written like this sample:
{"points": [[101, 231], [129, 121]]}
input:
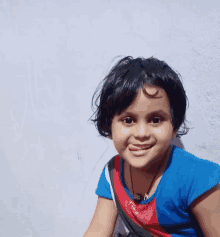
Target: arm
{"points": [[206, 209], [104, 219]]}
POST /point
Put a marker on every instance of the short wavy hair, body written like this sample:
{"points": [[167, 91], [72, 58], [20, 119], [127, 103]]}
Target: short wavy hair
{"points": [[120, 87]]}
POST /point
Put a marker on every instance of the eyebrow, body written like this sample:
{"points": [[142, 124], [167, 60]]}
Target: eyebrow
{"points": [[155, 112]]}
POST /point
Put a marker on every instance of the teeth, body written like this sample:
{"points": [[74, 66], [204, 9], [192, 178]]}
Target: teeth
{"points": [[139, 149], [138, 152]]}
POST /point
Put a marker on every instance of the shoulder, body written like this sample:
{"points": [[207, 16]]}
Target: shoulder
{"points": [[114, 166], [194, 175], [187, 160], [104, 188]]}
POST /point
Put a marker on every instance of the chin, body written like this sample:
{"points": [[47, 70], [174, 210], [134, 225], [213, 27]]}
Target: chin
{"points": [[138, 162]]}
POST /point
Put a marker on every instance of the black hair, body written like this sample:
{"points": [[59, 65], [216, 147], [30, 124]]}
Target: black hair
{"points": [[120, 87]]}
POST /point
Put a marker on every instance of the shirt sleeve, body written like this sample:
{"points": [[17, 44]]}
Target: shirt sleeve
{"points": [[206, 176], [103, 188]]}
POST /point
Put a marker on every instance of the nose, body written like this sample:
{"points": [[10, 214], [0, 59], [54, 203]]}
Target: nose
{"points": [[142, 130]]}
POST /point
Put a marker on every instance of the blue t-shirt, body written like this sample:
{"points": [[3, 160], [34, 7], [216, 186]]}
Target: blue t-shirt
{"points": [[167, 211]]}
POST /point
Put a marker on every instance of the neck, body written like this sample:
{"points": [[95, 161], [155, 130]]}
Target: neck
{"points": [[157, 167]]}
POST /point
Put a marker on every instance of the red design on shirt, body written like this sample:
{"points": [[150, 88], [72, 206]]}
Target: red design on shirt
{"points": [[144, 215]]}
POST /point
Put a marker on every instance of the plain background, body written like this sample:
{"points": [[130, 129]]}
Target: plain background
{"points": [[53, 54]]}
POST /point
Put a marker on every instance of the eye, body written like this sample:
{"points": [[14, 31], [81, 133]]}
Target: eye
{"points": [[128, 120], [156, 120]]}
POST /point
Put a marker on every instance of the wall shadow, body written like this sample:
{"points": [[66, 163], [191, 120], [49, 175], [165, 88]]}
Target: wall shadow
{"points": [[177, 142]]}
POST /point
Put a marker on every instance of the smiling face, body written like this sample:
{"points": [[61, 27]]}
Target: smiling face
{"points": [[142, 132]]}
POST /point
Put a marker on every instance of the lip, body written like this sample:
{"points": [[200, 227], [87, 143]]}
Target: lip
{"points": [[139, 152], [138, 147]]}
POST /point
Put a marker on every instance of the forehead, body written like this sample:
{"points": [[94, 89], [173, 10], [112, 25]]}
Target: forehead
{"points": [[150, 98]]}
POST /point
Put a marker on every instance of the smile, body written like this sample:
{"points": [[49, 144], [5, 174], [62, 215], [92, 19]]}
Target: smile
{"points": [[139, 147], [139, 151]]}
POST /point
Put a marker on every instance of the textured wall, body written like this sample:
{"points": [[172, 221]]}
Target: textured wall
{"points": [[53, 54]]}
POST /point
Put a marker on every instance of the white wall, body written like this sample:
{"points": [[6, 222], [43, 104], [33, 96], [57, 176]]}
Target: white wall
{"points": [[53, 54]]}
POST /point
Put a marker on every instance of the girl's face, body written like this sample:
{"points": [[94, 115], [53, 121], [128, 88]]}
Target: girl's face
{"points": [[142, 133]]}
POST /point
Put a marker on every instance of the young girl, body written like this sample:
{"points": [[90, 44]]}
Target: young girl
{"points": [[156, 188]]}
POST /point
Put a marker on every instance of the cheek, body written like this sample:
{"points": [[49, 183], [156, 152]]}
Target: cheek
{"points": [[164, 133], [125, 131], [157, 131]]}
